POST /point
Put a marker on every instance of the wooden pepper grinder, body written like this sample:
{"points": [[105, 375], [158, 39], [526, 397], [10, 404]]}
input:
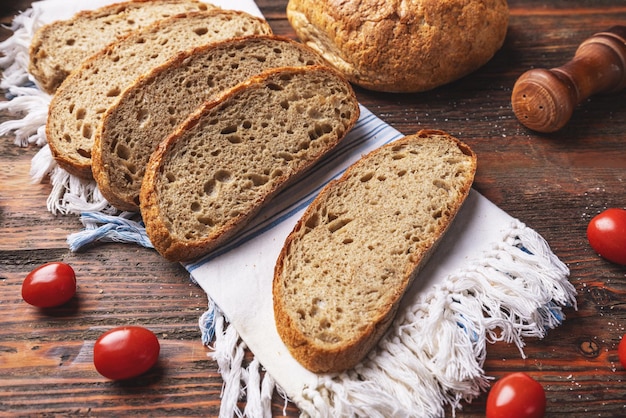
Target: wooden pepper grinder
{"points": [[544, 100]]}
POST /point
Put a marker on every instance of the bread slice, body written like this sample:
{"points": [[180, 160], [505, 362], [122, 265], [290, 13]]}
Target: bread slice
{"points": [[132, 128], [78, 105], [216, 171], [61, 46], [345, 266]]}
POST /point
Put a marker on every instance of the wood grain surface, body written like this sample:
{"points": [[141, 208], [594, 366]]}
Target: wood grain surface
{"points": [[554, 183]]}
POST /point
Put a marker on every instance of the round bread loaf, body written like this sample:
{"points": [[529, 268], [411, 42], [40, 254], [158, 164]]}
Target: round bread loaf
{"points": [[402, 46]]}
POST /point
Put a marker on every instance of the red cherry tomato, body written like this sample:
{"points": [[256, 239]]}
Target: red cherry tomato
{"points": [[621, 351], [49, 285], [125, 352], [516, 395], [607, 235]]}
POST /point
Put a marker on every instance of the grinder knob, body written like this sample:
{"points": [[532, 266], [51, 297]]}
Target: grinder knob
{"points": [[544, 100]]}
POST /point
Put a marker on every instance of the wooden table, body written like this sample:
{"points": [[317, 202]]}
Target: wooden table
{"points": [[554, 183]]}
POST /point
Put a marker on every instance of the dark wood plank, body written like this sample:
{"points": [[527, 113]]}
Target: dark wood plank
{"points": [[554, 183]]}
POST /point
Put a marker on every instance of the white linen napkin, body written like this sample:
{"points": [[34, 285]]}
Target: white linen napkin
{"points": [[491, 278]]}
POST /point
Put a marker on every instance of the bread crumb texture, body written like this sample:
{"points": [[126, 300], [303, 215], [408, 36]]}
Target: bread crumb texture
{"points": [[212, 175], [357, 247], [61, 46], [79, 103], [158, 102]]}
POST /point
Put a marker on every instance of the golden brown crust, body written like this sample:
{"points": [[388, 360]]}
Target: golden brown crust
{"points": [[309, 352], [408, 46]]}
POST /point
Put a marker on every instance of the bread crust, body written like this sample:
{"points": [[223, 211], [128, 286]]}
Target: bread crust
{"points": [[162, 237], [315, 354], [408, 46]]}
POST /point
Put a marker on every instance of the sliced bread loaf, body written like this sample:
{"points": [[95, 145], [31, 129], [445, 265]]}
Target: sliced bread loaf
{"points": [[156, 103], [344, 268], [61, 46], [78, 105], [215, 172]]}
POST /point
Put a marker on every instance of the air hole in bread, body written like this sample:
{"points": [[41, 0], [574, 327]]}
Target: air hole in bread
{"points": [[337, 224], [313, 221], [84, 152], [274, 87], [319, 130], [398, 156], [314, 113], [114, 92], [234, 139], [171, 178], [246, 124], [223, 176], [216, 152], [201, 31], [367, 177], [130, 21], [287, 156], [305, 145], [347, 241], [205, 220], [123, 152], [142, 116], [401, 173], [70, 42], [195, 207], [381, 177], [229, 130], [80, 113], [441, 184], [209, 187], [278, 51], [86, 131], [258, 179], [277, 173], [284, 104], [132, 168]]}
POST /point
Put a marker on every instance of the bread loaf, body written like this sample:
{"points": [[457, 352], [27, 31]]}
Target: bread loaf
{"points": [[407, 46], [78, 105], [344, 268], [216, 171], [157, 102], [61, 46]]}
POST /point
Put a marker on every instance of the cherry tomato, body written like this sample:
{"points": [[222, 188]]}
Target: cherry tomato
{"points": [[49, 285], [516, 395], [621, 351], [607, 235], [125, 352]]}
